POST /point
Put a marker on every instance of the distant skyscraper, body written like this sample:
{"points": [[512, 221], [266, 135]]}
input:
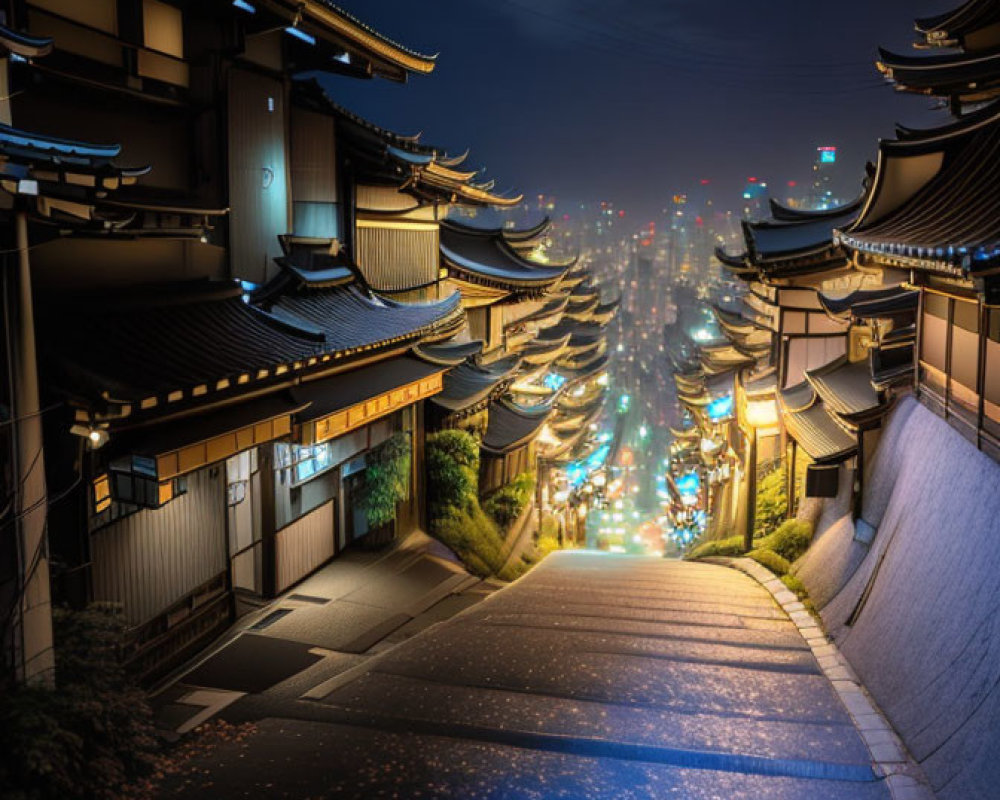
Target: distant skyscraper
{"points": [[755, 196], [823, 170]]}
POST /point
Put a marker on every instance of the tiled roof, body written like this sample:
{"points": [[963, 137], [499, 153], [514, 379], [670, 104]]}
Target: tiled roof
{"points": [[469, 384], [952, 221], [23, 44], [491, 259], [845, 387], [337, 392], [947, 27], [511, 426], [152, 342], [350, 319], [811, 425], [449, 354], [863, 298]]}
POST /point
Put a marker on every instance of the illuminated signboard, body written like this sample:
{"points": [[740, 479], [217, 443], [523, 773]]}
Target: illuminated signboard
{"points": [[827, 155]]}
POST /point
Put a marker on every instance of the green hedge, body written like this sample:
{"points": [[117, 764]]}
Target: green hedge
{"points": [[768, 558], [733, 546], [790, 540], [505, 505], [456, 518], [772, 502]]}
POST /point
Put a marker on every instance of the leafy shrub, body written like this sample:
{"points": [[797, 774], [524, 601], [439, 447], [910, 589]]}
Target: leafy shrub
{"points": [[506, 505], [472, 536], [387, 479], [768, 558], [733, 546], [545, 545], [794, 585], [514, 570], [87, 736], [452, 471], [772, 502], [790, 540]]}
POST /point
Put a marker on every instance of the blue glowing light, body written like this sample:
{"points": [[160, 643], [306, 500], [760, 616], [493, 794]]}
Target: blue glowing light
{"points": [[689, 484], [721, 407], [828, 155], [242, 5], [300, 34], [554, 381], [576, 474], [596, 459]]}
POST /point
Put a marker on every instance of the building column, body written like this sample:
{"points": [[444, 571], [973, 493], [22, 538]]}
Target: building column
{"points": [[34, 657], [751, 514], [268, 522], [792, 472]]}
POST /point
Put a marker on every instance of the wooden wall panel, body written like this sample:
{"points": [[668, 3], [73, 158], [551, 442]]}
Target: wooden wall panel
{"points": [[933, 340], [383, 198], [100, 14], [398, 257], [304, 545], [151, 559], [258, 175], [313, 156]]}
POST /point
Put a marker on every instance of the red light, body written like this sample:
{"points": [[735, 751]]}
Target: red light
{"points": [[647, 242], [705, 181], [699, 221], [793, 184], [621, 213], [751, 180], [565, 217]]}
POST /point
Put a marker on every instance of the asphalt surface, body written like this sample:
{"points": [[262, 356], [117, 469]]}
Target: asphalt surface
{"points": [[593, 676]]}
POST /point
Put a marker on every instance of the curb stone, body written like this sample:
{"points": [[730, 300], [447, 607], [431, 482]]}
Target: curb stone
{"points": [[903, 776]]}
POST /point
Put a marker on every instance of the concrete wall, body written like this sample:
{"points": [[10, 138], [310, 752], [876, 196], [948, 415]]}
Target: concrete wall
{"points": [[834, 556], [924, 597]]}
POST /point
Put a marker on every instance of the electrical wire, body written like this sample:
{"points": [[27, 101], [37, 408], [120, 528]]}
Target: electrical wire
{"points": [[14, 420], [740, 75]]}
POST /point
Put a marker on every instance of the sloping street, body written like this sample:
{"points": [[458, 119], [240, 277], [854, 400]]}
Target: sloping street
{"points": [[595, 675]]}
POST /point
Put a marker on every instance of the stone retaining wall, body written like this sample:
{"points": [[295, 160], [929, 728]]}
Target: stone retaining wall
{"points": [[917, 613]]}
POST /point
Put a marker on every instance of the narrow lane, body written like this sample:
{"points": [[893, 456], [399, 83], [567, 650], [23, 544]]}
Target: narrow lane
{"points": [[594, 676]]}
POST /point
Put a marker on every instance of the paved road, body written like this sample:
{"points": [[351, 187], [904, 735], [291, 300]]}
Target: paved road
{"points": [[594, 676]]}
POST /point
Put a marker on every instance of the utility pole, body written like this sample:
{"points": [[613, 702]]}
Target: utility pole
{"points": [[31, 616]]}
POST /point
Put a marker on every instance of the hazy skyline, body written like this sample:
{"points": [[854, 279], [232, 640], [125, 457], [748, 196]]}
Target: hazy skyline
{"points": [[631, 101]]}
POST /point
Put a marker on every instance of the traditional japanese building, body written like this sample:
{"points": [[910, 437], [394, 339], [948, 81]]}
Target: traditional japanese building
{"points": [[964, 65], [933, 214], [225, 341], [827, 338], [500, 287]]}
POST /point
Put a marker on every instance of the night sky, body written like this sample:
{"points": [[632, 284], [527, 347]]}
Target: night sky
{"points": [[634, 100]]}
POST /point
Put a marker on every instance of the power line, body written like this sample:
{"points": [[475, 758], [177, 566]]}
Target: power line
{"points": [[739, 74]]}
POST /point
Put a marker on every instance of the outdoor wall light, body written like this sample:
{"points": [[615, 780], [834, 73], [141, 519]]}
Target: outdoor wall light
{"points": [[96, 437]]}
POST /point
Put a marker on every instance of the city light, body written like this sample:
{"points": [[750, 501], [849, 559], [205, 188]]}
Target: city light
{"points": [[721, 407], [554, 381]]}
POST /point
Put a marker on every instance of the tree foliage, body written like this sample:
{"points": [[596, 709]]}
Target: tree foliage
{"points": [[456, 518], [90, 734], [387, 479], [772, 502], [505, 505], [452, 472]]}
